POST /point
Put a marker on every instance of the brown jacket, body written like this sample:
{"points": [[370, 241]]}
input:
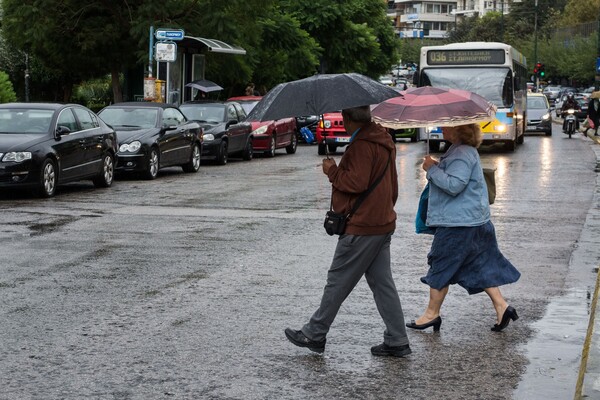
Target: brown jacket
{"points": [[363, 162]]}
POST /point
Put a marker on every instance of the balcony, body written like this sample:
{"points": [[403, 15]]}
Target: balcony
{"points": [[410, 18]]}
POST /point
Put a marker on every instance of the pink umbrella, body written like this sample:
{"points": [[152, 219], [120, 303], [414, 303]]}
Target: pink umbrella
{"points": [[432, 106]]}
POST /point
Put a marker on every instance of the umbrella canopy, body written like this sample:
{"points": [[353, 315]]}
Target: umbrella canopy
{"points": [[204, 85], [432, 106], [320, 94]]}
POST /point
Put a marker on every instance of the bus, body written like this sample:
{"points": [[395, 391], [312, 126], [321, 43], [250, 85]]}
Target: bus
{"points": [[496, 71]]}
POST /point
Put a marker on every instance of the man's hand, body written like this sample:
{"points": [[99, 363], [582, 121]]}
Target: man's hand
{"points": [[328, 163]]}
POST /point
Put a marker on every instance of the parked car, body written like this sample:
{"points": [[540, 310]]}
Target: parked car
{"points": [[331, 134], [539, 115], [43, 145], [581, 114], [152, 136], [561, 100], [268, 136], [408, 133], [226, 131]]}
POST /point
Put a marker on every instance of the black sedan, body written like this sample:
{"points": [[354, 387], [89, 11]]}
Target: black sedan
{"points": [[226, 133], [153, 136], [43, 145]]}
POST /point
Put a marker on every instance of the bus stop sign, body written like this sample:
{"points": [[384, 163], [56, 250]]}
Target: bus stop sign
{"points": [[169, 34]]}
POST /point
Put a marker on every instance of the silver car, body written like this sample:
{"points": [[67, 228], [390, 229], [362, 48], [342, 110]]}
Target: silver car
{"points": [[539, 117], [551, 93]]}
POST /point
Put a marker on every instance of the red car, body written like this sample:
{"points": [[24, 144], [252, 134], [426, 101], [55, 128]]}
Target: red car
{"points": [[267, 136], [331, 134]]}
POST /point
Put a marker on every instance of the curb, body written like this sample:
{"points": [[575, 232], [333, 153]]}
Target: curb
{"points": [[591, 341]]}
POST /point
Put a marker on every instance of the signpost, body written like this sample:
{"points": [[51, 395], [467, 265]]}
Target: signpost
{"points": [[165, 50], [169, 34]]}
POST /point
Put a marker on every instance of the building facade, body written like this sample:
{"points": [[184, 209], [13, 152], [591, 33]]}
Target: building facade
{"points": [[433, 19]]}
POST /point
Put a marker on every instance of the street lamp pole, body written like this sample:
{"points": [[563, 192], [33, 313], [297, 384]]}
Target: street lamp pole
{"points": [[535, 60]]}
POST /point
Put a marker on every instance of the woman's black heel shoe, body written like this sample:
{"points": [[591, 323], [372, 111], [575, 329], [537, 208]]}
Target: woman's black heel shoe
{"points": [[509, 314], [436, 323]]}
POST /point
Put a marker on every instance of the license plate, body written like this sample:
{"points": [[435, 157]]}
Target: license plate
{"points": [[342, 139]]}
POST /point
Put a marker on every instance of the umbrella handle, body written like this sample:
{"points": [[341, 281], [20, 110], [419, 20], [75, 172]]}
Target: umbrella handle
{"points": [[322, 123]]}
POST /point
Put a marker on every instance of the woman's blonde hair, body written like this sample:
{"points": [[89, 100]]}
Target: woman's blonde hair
{"points": [[469, 134]]}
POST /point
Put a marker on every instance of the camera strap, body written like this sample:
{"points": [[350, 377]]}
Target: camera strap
{"points": [[364, 194]]}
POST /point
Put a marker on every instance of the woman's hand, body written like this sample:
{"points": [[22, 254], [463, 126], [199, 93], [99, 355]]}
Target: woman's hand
{"points": [[428, 162]]}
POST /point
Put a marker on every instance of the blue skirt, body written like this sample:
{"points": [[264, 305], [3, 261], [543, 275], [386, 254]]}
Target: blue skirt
{"points": [[470, 257]]}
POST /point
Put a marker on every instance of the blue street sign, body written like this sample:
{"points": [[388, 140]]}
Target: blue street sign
{"points": [[169, 34], [598, 65]]}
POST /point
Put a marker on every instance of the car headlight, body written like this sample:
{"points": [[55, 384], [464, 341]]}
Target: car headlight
{"points": [[327, 124], [132, 147], [260, 130], [208, 137], [546, 116], [17, 156]]}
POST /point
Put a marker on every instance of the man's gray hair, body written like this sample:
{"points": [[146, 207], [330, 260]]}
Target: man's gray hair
{"points": [[358, 114]]}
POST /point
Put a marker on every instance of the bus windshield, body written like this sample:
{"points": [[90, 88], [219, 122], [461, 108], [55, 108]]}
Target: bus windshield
{"points": [[494, 84]]}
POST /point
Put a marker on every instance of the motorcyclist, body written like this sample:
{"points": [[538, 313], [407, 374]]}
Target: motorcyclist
{"points": [[569, 103]]}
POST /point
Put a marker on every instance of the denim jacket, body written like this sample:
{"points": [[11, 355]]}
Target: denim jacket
{"points": [[457, 190]]}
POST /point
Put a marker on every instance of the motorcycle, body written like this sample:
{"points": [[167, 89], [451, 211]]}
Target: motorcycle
{"points": [[570, 122]]}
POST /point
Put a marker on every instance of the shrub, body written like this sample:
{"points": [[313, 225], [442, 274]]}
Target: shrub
{"points": [[7, 93]]}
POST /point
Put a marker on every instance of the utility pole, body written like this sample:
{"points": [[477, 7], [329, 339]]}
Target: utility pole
{"points": [[535, 60]]}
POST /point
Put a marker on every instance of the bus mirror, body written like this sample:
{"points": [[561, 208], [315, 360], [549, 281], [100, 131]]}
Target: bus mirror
{"points": [[416, 78]]}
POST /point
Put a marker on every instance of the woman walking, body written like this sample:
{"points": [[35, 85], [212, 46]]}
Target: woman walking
{"points": [[464, 249]]}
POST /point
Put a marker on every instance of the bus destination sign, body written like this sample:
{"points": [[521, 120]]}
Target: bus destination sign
{"points": [[465, 57]]}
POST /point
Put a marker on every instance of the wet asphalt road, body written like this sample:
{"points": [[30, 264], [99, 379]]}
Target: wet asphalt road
{"points": [[181, 287]]}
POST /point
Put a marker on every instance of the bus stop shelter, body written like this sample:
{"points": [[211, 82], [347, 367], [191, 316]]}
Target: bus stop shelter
{"points": [[190, 65]]}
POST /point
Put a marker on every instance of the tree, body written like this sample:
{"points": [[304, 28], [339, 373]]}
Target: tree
{"points": [[356, 35], [7, 93]]}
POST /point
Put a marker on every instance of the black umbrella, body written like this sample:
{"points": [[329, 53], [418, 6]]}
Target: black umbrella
{"points": [[320, 94], [205, 85]]}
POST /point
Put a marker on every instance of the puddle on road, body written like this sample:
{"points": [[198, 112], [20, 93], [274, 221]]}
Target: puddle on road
{"points": [[555, 350]]}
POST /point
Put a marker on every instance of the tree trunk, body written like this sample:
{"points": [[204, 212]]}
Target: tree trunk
{"points": [[116, 85], [67, 91]]}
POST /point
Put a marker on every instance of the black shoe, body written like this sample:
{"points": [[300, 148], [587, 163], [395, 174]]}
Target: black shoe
{"points": [[509, 314], [298, 338], [436, 323], [391, 351]]}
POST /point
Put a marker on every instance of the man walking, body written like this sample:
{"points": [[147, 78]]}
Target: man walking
{"points": [[364, 248]]}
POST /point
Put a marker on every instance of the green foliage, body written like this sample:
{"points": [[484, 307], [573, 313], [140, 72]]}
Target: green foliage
{"points": [[94, 94], [7, 93]]}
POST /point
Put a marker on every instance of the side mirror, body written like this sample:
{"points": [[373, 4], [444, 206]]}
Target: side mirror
{"points": [[232, 122], [62, 130]]}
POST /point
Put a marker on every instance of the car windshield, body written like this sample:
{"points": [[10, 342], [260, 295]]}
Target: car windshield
{"points": [[24, 120], [537, 103], [248, 105], [204, 112], [494, 84], [130, 117]]}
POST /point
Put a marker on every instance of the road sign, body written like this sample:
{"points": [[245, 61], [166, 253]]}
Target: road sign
{"points": [[166, 51], [598, 65], [169, 34]]}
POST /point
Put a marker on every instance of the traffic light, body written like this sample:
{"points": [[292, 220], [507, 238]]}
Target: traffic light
{"points": [[539, 70]]}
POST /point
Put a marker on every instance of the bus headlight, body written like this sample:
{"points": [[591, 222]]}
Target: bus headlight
{"points": [[500, 128]]}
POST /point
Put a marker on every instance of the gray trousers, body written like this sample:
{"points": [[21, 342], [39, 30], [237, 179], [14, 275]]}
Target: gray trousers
{"points": [[354, 257]]}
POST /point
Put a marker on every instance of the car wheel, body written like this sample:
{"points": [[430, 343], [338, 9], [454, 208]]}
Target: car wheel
{"points": [[106, 176], [549, 133], [331, 148], [271, 152], [222, 155], [152, 166], [322, 150], [248, 151], [48, 179], [291, 148], [194, 164]]}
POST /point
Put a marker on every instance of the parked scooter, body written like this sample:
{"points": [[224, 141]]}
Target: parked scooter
{"points": [[570, 122]]}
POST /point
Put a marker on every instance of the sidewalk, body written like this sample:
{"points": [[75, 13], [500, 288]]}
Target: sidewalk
{"points": [[588, 382]]}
